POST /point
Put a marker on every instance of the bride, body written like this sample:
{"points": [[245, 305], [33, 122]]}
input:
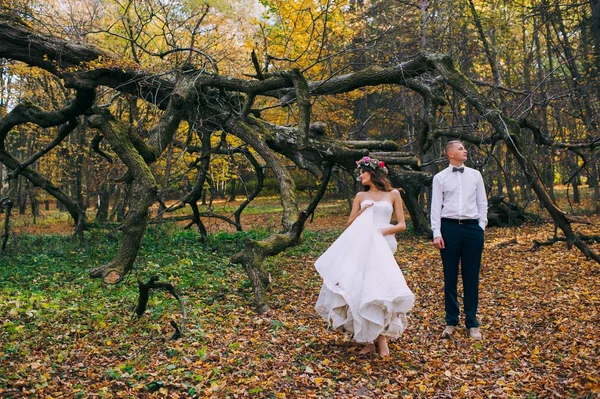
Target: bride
{"points": [[364, 292]]}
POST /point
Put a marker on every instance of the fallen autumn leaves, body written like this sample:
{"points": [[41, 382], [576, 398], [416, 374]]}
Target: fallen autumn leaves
{"points": [[539, 314]]}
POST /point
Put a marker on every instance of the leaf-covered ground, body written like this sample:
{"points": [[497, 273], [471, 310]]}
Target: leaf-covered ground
{"points": [[63, 335]]}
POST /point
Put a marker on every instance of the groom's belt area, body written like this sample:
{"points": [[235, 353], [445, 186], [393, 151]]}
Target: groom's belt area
{"points": [[460, 221]]}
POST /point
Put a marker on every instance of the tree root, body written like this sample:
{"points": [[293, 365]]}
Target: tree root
{"points": [[153, 283], [537, 244]]}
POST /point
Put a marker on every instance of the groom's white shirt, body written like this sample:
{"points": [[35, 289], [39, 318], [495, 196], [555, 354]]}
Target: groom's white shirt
{"points": [[457, 195]]}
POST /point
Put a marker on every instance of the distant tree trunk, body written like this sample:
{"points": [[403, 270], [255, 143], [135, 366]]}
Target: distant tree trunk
{"points": [[423, 6], [347, 188], [361, 115], [123, 204], [106, 191], [411, 190], [309, 186], [500, 175], [8, 204], [60, 207], [35, 208], [576, 180], [168, 167], [594, 169], [547, 166], [595, 28], [576, 195], [509, 178], [581, 101], [79, 166], [232, 190], [524, 189], [120, 205], [21, 196], [548, 172]]}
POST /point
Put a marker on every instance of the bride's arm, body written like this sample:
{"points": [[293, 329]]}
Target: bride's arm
{"points": [[356, 211], [399, 211]]}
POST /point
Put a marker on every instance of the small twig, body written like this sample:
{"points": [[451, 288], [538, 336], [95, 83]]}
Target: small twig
{"points": [[145, 294], [507, 243]]}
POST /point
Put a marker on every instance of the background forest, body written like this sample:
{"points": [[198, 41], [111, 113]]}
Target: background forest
{"points": [[187, 144], [532, 59]]}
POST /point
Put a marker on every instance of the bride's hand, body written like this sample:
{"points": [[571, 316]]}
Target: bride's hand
{"points": [[367, 206]]}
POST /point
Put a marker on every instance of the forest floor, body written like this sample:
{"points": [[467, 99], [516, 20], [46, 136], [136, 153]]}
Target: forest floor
{"points": [[64, 335]]}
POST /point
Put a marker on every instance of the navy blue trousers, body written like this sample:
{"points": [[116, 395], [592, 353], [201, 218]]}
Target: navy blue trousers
{"points": [[463, 245]]}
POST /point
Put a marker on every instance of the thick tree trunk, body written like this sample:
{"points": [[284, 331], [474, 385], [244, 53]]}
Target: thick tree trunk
{"points": [[287, 187], [411, 184], [143, 194]]}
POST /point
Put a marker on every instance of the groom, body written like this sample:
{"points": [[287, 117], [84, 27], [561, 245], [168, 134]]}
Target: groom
{"points": [[458, 220]]}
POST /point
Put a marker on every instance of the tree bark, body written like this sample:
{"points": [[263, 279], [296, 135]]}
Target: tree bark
{"points": [[286, 185], [144, 193]]}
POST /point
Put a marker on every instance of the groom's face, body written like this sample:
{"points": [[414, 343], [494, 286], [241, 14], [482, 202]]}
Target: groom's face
{"points": [[457, 152]]}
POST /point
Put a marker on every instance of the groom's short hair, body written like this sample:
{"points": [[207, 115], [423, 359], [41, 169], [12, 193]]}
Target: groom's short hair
{"points": [[451, 143]]}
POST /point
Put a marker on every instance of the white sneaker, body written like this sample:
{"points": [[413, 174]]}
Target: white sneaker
{"points": [[448, 331], [475, 333]]}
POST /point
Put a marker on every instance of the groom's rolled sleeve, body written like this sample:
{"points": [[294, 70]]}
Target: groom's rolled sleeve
{"points": [[436, 207]]}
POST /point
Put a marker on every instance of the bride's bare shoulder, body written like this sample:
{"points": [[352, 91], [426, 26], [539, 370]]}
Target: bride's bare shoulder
{"points": [[396, 195]]}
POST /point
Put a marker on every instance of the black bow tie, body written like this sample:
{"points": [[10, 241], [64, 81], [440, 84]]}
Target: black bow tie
{"points": [[461, 169]]}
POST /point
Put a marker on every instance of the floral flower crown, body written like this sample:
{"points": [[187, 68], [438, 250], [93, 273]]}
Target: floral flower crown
{"points": [[368, 162]]}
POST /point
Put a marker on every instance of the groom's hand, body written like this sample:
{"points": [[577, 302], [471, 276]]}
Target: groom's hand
{"points": [[438, 243]]}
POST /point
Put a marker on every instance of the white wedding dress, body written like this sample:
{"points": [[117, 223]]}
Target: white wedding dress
{"points": [[364, 292]]}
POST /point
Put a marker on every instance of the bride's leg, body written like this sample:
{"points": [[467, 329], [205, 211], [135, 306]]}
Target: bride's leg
{"points": [[367, 349], [383, 346]]}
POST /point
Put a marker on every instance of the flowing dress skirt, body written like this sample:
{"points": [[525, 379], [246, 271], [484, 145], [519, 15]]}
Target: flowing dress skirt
{"points": [[364, 292]]}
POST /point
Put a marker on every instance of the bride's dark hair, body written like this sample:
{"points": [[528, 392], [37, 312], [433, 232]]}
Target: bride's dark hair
{"points": [[379, 179]]}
